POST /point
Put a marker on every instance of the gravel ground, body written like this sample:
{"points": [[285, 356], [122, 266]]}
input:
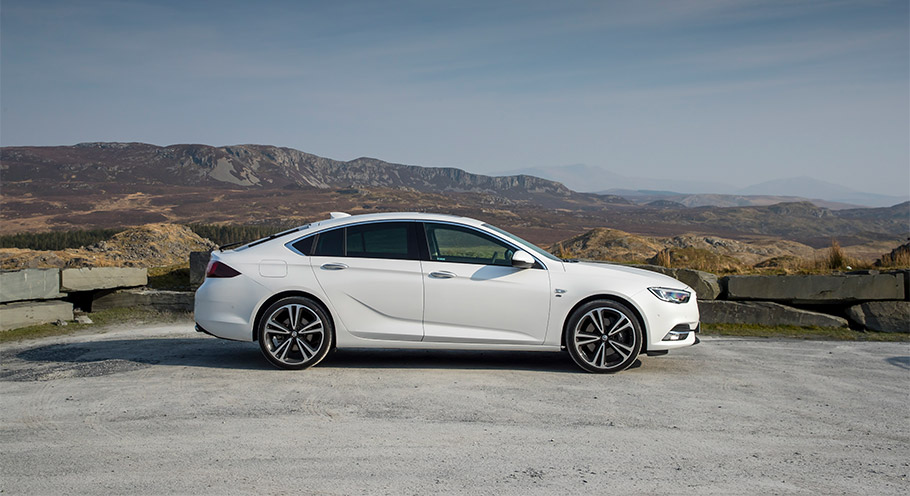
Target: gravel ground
{"points": [[163, 409]]}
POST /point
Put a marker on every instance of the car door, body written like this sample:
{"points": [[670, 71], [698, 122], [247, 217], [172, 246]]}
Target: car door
{"points": [[473, 294], [372, 276]]}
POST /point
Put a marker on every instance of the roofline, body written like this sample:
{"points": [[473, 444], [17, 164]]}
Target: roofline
{"points": [[418, 216]]}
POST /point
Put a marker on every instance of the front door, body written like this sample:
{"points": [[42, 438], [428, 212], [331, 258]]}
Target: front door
{"points": [[473, 294]]}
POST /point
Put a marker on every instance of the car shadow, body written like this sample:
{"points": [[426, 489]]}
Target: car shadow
{"points": [[900, 361], [201, 352], [215, 353], [451, 359]]}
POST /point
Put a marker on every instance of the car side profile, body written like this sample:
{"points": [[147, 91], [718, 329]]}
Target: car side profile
{"points": [[431, 281]]}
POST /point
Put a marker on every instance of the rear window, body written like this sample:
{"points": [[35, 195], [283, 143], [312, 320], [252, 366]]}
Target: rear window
{"points": [[330, 244], [304, 245], [396, 240], [382, 240]]}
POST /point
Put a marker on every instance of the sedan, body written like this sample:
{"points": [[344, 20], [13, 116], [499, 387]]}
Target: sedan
{"points": [[429, 281]]}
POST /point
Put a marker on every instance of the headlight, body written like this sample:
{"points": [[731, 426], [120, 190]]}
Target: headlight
{"points": [[671, 295]]}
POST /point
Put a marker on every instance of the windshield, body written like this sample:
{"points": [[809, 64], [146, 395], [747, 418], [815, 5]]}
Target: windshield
{"points": [[539, 251]]}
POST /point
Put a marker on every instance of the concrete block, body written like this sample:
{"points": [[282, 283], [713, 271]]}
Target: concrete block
{"points": [[92, 278], [819, 289], [162, 300], [199, 260], [30, 284], [763, 313], [882, 316], [23, 314]]}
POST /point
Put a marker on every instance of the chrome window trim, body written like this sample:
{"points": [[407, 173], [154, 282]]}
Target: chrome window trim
{"points": [[492, 235], [290, 244]]}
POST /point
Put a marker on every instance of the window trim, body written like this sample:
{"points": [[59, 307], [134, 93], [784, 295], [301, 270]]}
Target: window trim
{"points": [[423, 248], [537, 265], [421, 251], [410, 235]]}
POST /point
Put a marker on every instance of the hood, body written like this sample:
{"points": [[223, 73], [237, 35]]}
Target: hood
{"points": [[644, 277]]}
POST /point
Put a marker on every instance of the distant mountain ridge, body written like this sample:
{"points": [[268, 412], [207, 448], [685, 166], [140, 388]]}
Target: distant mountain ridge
{"points": [[581, 177], [591, 179], [808, 186], [248, 166], [655, 198], [103, 185]]}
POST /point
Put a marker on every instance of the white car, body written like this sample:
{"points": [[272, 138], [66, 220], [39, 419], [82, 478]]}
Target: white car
{"points": [[413, 280]]}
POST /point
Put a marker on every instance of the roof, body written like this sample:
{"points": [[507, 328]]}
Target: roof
{"points": [[353, 219]]}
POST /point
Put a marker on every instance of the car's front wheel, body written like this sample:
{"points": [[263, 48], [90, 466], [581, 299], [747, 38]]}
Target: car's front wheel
{"points": [[603, 336], [295, 333]]}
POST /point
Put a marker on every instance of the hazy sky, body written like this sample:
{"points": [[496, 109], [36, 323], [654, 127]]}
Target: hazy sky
{"points": [[736, 91]]}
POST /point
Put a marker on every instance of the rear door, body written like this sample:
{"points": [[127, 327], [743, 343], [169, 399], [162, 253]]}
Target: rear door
{"points": [[372, 276], [473, 294]]}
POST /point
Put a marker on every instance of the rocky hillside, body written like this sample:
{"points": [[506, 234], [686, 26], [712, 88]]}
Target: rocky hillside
{"points": [[107, 185], [152, 245], [247, 166], [620, 246]]}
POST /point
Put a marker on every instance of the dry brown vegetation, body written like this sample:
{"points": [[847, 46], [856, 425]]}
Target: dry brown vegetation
{"points": [[153, 245], [697, 258], [724, 256], [898, 258]]}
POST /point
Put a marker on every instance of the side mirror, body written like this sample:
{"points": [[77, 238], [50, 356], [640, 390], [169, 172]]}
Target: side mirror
{"points": [[522, 260]]}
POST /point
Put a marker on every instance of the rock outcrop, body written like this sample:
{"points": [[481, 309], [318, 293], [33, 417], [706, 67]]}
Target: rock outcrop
{"points": [[882, 316], [764, 313]]}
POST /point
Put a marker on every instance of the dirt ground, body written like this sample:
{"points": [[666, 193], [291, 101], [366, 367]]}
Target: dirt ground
{"points": [[162, 409]]}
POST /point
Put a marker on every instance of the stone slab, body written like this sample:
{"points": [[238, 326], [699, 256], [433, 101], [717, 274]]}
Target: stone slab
{"points": [[763, 313], [30, 284], [27, 313], [882, 316], [93, 278], [706, 285], [162, 300], [821, 289], [199, 260]]}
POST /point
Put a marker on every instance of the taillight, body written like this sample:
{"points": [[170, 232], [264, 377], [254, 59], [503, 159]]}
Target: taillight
{"points": [[220, 269]]}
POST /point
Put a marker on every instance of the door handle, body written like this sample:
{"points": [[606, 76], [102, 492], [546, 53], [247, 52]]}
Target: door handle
{"points": [[334, 266], [443, 274]]}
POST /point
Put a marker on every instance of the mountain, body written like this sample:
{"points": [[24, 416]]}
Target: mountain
{"points": [[808, 187], [715, 200], [581, 177], [248, 166], [105, 185], [587, 178]]}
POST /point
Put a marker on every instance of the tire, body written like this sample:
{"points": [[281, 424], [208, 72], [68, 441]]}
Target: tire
{"points": [[603, 336], [295, 333]]}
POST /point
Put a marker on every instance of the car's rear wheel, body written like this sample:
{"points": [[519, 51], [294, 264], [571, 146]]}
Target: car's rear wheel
{"points": [[604, 336], [295, 333]]}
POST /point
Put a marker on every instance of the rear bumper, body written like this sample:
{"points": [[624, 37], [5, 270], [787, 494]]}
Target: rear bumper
{"points": [[224, 309]]}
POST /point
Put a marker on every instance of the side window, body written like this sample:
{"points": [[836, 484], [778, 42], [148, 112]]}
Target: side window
{"points": [[382, 240], [330, 244], [462, 245], [304, 245]]}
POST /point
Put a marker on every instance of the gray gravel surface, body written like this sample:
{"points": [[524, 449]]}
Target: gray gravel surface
{"points": [[153, 410]]}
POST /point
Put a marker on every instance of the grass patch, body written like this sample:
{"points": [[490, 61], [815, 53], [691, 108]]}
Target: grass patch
{"points": [[171, 277], [103, 318], [796, 332]]}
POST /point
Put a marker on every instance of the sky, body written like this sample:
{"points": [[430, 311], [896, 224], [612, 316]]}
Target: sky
{"points": [[718, 90]]}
